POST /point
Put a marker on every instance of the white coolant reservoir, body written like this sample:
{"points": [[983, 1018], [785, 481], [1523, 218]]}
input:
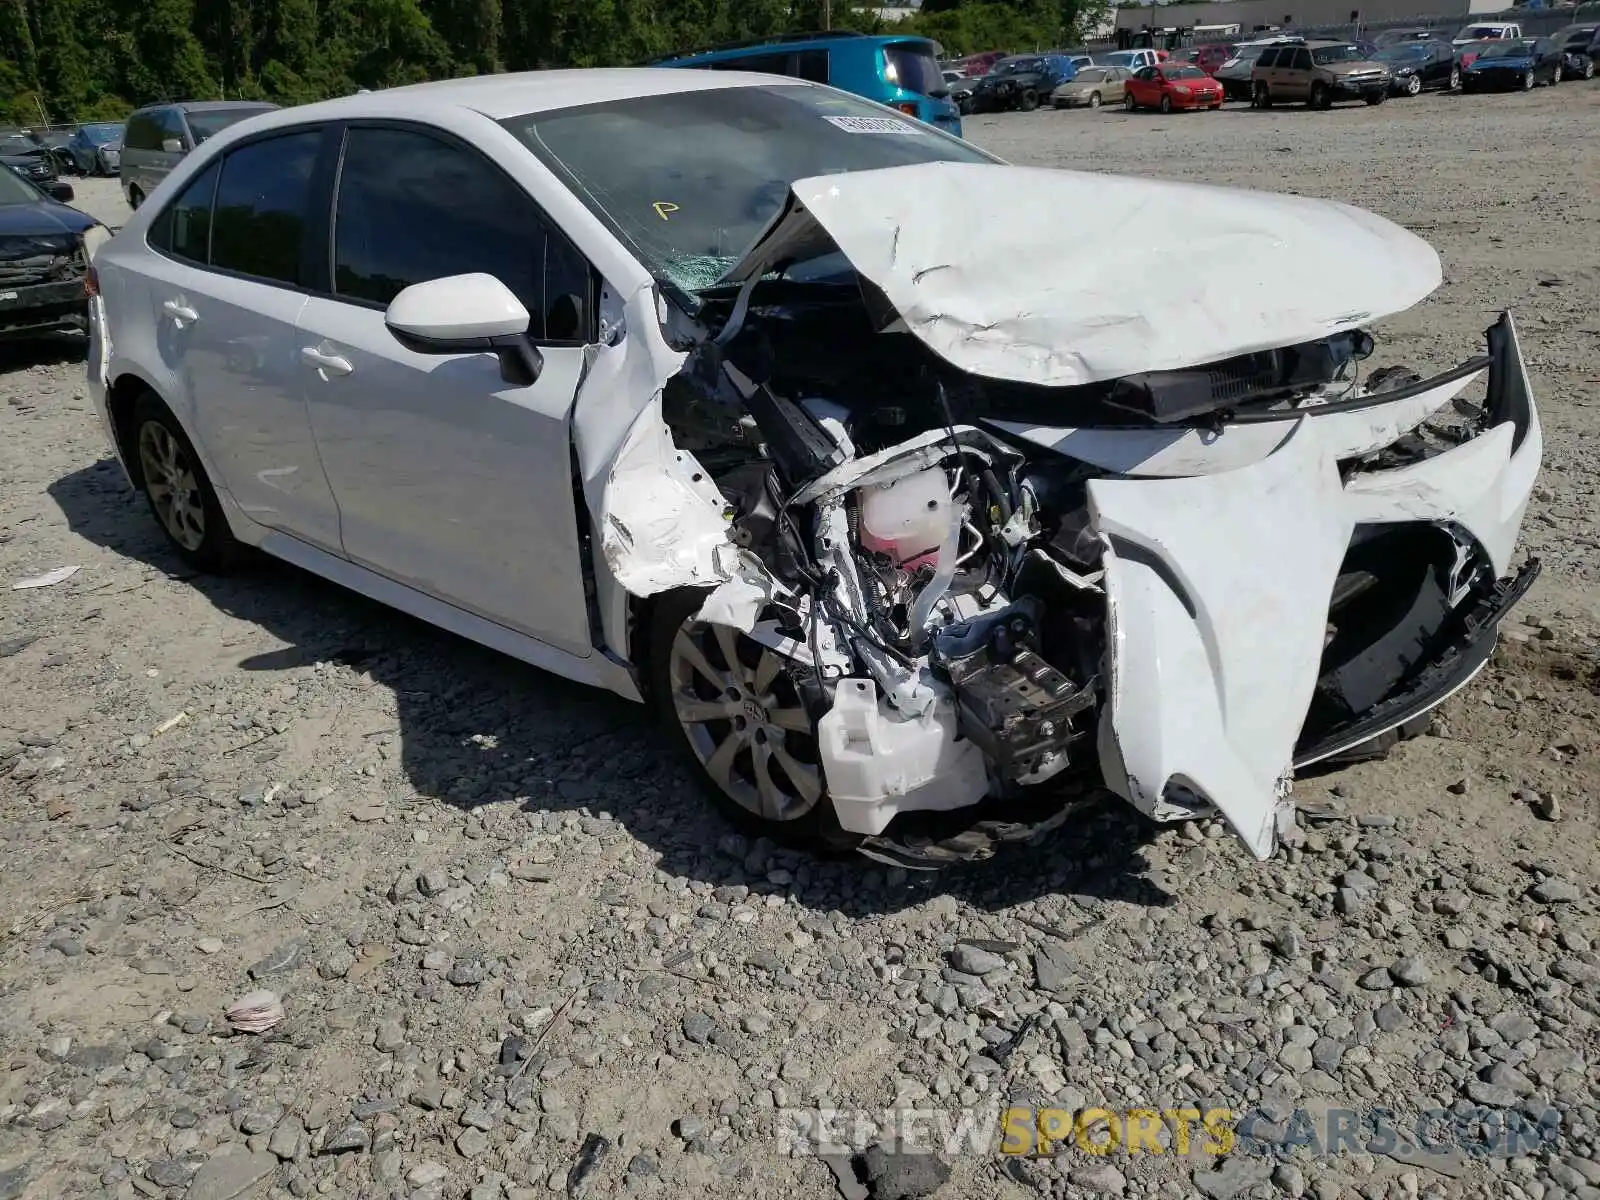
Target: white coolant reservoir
{"points": [[907, 519]]}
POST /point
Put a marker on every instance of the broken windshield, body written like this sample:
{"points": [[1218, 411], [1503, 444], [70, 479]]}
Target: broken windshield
{"points": [[688, 180]]}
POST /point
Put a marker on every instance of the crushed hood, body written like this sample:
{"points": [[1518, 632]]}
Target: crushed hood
{"points": [[1062, 278]]}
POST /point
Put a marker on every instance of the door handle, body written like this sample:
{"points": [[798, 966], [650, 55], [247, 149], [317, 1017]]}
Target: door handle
{"points": [[328, 364], [179, 311]]}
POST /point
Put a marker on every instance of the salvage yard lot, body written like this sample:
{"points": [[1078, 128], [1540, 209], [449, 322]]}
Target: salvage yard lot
{"points": [[501, 919]]}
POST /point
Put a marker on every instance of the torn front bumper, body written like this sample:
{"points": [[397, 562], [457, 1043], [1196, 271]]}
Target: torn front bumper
{"points": [[1218, 592]]}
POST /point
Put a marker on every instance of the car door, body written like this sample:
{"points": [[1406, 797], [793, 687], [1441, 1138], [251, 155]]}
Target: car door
{"points": [[449, 479], [1292, 79], [1144, 88], [1116, 84], [225, 290]]}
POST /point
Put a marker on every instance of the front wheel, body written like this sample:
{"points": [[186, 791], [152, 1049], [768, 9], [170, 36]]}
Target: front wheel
{"points": [[1261, 98], [1414, 85], [1455, 79], [1094, 99], [1376, 97], [1129, 103], [177, 488], [1029, 100], [1319, 96], [737, 714], [1527, 81], [135, 198], [1166, 104]]}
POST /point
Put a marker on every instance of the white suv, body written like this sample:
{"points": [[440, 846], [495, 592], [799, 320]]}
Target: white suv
{"points": [[694, 396]]}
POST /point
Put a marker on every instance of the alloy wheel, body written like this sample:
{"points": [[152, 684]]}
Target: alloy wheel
{"points": [[1414, 85], [170, 481], [744, 721], [1527, 81], [1094, 99], [1455, 78]]}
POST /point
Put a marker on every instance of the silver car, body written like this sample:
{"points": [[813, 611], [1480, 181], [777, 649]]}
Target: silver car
{"points": [[158, 137], [773, 406]]}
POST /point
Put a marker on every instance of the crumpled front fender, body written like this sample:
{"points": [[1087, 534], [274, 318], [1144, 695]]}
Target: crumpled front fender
{"points": [[1218, 589]]}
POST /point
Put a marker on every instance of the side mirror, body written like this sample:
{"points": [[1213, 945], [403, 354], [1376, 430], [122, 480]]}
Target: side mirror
{"points": [[59, 191], [172, 145], [467, 314]]}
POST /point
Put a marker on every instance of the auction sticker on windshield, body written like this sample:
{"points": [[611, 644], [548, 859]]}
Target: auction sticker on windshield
{"points": [[872, 125]]}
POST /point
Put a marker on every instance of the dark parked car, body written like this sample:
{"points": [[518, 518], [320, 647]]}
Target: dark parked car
{"points": [[1514, 63], [1580, 47], [1396, 37], [1023, 82], [97, 149], [1415, 66], [44, 253], [27, 158]]}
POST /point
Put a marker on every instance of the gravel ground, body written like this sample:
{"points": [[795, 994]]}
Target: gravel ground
{"points": [[502, 924]]}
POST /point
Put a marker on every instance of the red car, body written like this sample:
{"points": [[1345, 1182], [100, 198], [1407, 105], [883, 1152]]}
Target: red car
{"points": [[1171, 85], [1212, 55]]}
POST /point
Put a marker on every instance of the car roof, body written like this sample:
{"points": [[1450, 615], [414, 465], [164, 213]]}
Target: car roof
{"points": [[522, 92]]}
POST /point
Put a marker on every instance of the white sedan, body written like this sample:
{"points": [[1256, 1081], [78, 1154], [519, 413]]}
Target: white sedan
{"points": [[917, 516]]}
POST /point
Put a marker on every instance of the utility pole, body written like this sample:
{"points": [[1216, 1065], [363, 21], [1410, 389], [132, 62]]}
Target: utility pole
{"points": [[827, 14]]}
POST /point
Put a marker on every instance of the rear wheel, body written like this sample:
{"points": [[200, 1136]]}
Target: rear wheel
{"points": [[738, 716], [177, 488], [1455, 79], [135, 198]]}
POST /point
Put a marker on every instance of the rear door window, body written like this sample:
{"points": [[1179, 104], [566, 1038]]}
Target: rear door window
{"points": [[263, 202], [1267, 58], [812, 65], [184, 229], [767, 64], [1302, 60]]}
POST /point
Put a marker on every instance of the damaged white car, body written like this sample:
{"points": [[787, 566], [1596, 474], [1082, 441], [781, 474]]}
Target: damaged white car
{"points": [[919, 519]]}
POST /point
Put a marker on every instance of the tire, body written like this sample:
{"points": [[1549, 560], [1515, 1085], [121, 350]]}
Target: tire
{"points": [[1128, 102], [1166, 104], [176, 487], [1376, 98], [135, 198], [1527, 81], [1094, 99], [1029, 100], [689, 673], [1414, 85], [1455, 80], [1319, 96], [1588, 69], [1555, 76], [1260, 97]]}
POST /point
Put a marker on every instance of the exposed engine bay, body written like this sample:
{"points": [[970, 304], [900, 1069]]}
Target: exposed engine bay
{"points": [[1179, 584]]}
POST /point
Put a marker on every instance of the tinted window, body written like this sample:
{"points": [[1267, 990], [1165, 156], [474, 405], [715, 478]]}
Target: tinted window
{"points": [[211, 122], [144, 132], [184, 229], [913, 67], [1302, 60], [1268, 58], [262, 201], [413, 207], [770, 64], [172, 127], [812, 65]]}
